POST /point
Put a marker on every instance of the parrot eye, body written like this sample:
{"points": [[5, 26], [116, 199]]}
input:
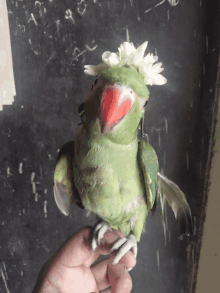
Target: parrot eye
{"points": [[81, 109], [95, 82], [145, 104]]}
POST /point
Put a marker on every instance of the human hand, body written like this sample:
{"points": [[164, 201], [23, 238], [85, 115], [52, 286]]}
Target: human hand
{"points": [[72, 270]]}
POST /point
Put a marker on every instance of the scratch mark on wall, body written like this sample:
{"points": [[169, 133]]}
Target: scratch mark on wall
{"points": [[22, 273], [194, 232], [35, 52], [158, 260], [131, 1], [20, 168], [159, 139], [91, 49], [200, 3], [165, 234], [45, 208], [36, 196], [207, 44], [45, 191], [5, 282], [33, 187], [81, 7], [168, 14], [187, 160], [5, 270], [173, 2], [78, 55], [166, 125], [32, 18], [69, 15], [23, 211], [155, 6]]}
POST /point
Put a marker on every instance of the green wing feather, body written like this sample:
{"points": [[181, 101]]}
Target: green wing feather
{"points": [[149, 166], [64, 189]]}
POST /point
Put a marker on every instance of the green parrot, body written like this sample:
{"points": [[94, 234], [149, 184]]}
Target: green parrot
{"points": [[112, 171]]}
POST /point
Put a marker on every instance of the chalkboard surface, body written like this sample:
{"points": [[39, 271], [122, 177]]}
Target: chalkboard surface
{"points": [[51, 42]]}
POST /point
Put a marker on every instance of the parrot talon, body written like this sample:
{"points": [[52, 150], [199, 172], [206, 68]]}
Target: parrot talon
{"points": [[125, 245], [98, 233]]}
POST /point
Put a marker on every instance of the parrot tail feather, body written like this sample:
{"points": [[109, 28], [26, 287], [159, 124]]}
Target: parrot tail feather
{"points": [[170, 192]]}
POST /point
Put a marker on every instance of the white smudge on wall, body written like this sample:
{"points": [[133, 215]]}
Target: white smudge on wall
{"points": [[33, 187], [173, 2], [69, 15], [20, 168], [8, 172], [45, 208], [32, 176]]}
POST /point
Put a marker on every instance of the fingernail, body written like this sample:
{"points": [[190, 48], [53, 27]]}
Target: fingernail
{"points": [[129, 269]]}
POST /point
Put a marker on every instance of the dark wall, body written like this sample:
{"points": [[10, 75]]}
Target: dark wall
{"points": [[51, 43]]}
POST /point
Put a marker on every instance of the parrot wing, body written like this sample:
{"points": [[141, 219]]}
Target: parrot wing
{"points": [[168, 190], [64, 190], [149, 165]]}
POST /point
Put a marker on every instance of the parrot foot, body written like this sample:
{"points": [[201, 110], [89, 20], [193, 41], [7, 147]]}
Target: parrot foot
{"points": [[98, 233], [125, 244]]}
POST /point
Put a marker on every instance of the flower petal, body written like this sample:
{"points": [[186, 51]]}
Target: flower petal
{"points": [[159, 80], [111, 59], [90, 69], [126, 49]]}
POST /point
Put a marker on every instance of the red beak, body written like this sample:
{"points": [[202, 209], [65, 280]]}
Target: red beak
{"points": [[114, 106]]}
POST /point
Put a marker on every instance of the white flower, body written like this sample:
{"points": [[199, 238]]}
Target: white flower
{"points": [[128, 55]]}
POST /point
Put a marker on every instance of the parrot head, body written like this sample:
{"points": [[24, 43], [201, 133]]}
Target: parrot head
{"points": [[115, 104]]}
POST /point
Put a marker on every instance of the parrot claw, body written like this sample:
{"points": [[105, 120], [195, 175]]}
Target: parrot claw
{"points": [[98, 233], [125, 245]]}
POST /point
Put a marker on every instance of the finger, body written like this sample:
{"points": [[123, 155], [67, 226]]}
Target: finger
{"points": [[110, 238], [100, 273], [119, 279], [77, 250]]}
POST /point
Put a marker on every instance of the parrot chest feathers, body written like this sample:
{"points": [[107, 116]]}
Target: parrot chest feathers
{"points": [[109, 182]]}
